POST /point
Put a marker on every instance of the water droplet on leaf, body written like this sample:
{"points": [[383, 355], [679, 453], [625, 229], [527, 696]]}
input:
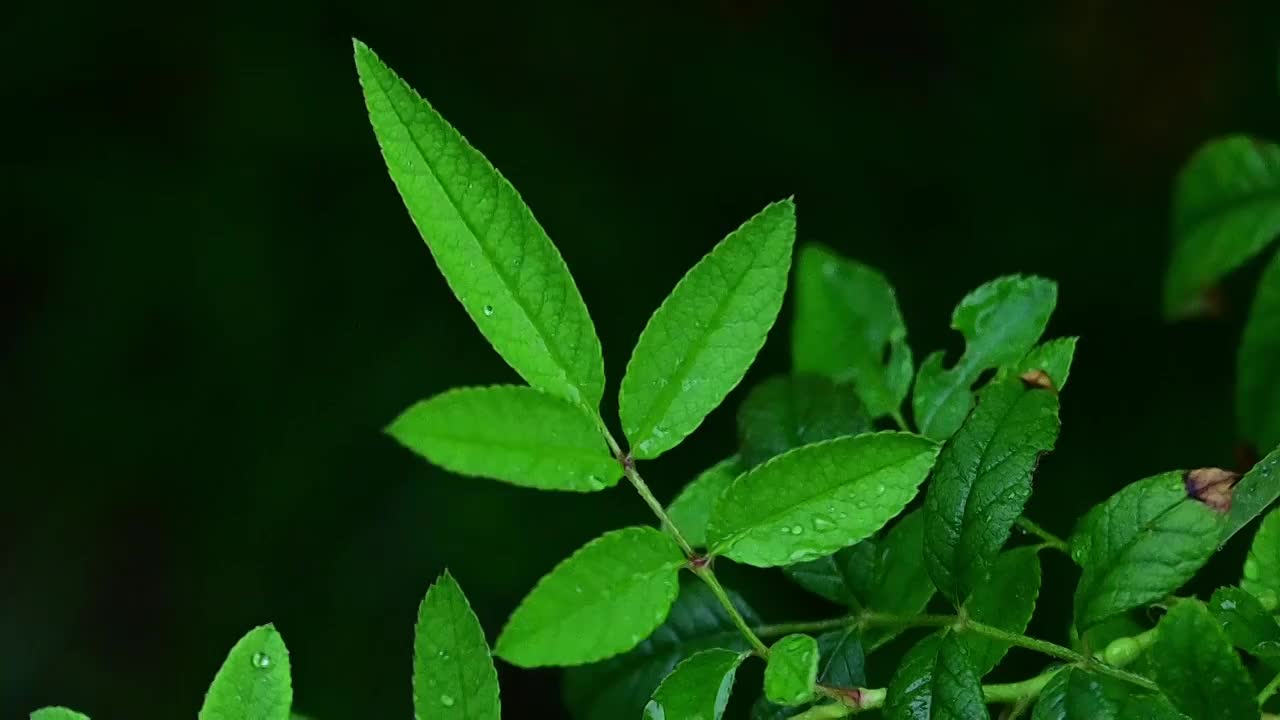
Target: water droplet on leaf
{"points": [[446, 700], [488, 310], [261, 660]]}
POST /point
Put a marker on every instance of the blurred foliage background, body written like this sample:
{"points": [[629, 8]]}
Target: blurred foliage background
{"points": [[213, 300]]}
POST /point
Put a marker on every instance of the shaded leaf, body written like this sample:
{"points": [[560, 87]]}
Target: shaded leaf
{"points": [[700, 342], [819, 498], [602, 600], [1074, 694], [253, 682], [57, 713], [1248, 624], [792, 670], [453, 674], [1262, 566], [692, 507], [936, 681], [515, 434], [842, 665], [1254, 493], [495, 256], [1258, 363], [1198, 669], [784, 412], [699, 687], [1006, 600]]}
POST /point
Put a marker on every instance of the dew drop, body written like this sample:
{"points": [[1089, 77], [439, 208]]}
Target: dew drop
{"points": [[446, 700], [595, 482], [261, 661], [488, 311], [796, 530], [880, 489], [1228, 605]]}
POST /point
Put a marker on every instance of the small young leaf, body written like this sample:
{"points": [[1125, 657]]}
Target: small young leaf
{"points": [[848, 327], [495, 256], [1246, 622], [792, 670], [782, 413], [453, 675], [1000, 321], [843, 665], [982, 483], [1007, 601], [1226, 209], [515, 434], [1052, 357], [253, 682], [621, 686], [1254, 493], [819, 498], [1198, 669], [1258, 363], [936, 681], [692, 507], [1139, 545], [602, 600], [699, 687], [57, 713], [1262, 566], [700, 342], [1073, 694]]}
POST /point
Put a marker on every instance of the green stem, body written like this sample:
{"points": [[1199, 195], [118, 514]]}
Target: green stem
{"points": [[1019, 691], [1269, 690], [1050, 540], [900, 421], [709, 577], [804, 626], [629, 469], [1060, 652], [869, 619]]}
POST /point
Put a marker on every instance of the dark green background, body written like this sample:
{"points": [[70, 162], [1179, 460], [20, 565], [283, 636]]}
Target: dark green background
{"points": [[212, 298]]}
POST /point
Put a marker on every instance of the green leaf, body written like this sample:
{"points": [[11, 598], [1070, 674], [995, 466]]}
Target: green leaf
{"points": [[57, 713], [936, 681], [842, 665], [1254, 493], [692, 507], [848, 327], [515, 434], [700, 342], [1198, 669], [699, 687], [1007, 600], [1053, 357], [1258, 363], [1141, 544], [602, 600], [1073, 694], [620, 687], [1226, 209], [819, 498], [837, 577], [253, 682], [792, 670], [453, 675], [1246, 622], [1000, 321], [1262, 566], [983, 481], [782, 413], [495, 256]]}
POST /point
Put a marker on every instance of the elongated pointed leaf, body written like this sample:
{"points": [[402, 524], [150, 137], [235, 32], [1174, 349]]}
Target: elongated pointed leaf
{"points": [[1140, 545], [983, 481], [621, 686], [495, 256], [1249, 625], [936, 681], [253, 682], [1198, 669], [57, 713], [1074, 694], [1226, 209], [699, 687], [1262, 567], [1254, 493], [1006, 600], [792, 670], [1258, 363], [848, 327], [515, 434], [1000, 321], [700, 342], [602, 600], [818, 498], [691, 509], [782, 413], [453, 674]]}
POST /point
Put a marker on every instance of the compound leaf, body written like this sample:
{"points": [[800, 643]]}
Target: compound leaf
{"points": [[253, 682], [453, 674]]}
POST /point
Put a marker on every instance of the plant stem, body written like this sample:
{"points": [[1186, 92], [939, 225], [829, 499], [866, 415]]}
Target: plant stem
{"points": [[1019, 691], [804, 626], [629, 468], [900, 421], [1060, 652], [1269, 690], [709, 577], [1050, 540], [870, 618]]}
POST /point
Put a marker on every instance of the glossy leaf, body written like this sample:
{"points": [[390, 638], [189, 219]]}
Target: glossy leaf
{"points": [[848, 327], [699, 687], [57, 713], [816, 499], [1198, 669], [495, 256], [692, 507], [1226, 209], [936, 681], [510, 433], [700, 342], [792, 670], [1248, 624], [602, 600], [1255, 492], [1258, 363], [1262, 566], [983, 481], [1053, 357], [621, 686], [1140, 545], [453, 674], [842, 665], [1006, 600], [784, 412], [1073, 694], [1000, 322], [253, 682]]}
